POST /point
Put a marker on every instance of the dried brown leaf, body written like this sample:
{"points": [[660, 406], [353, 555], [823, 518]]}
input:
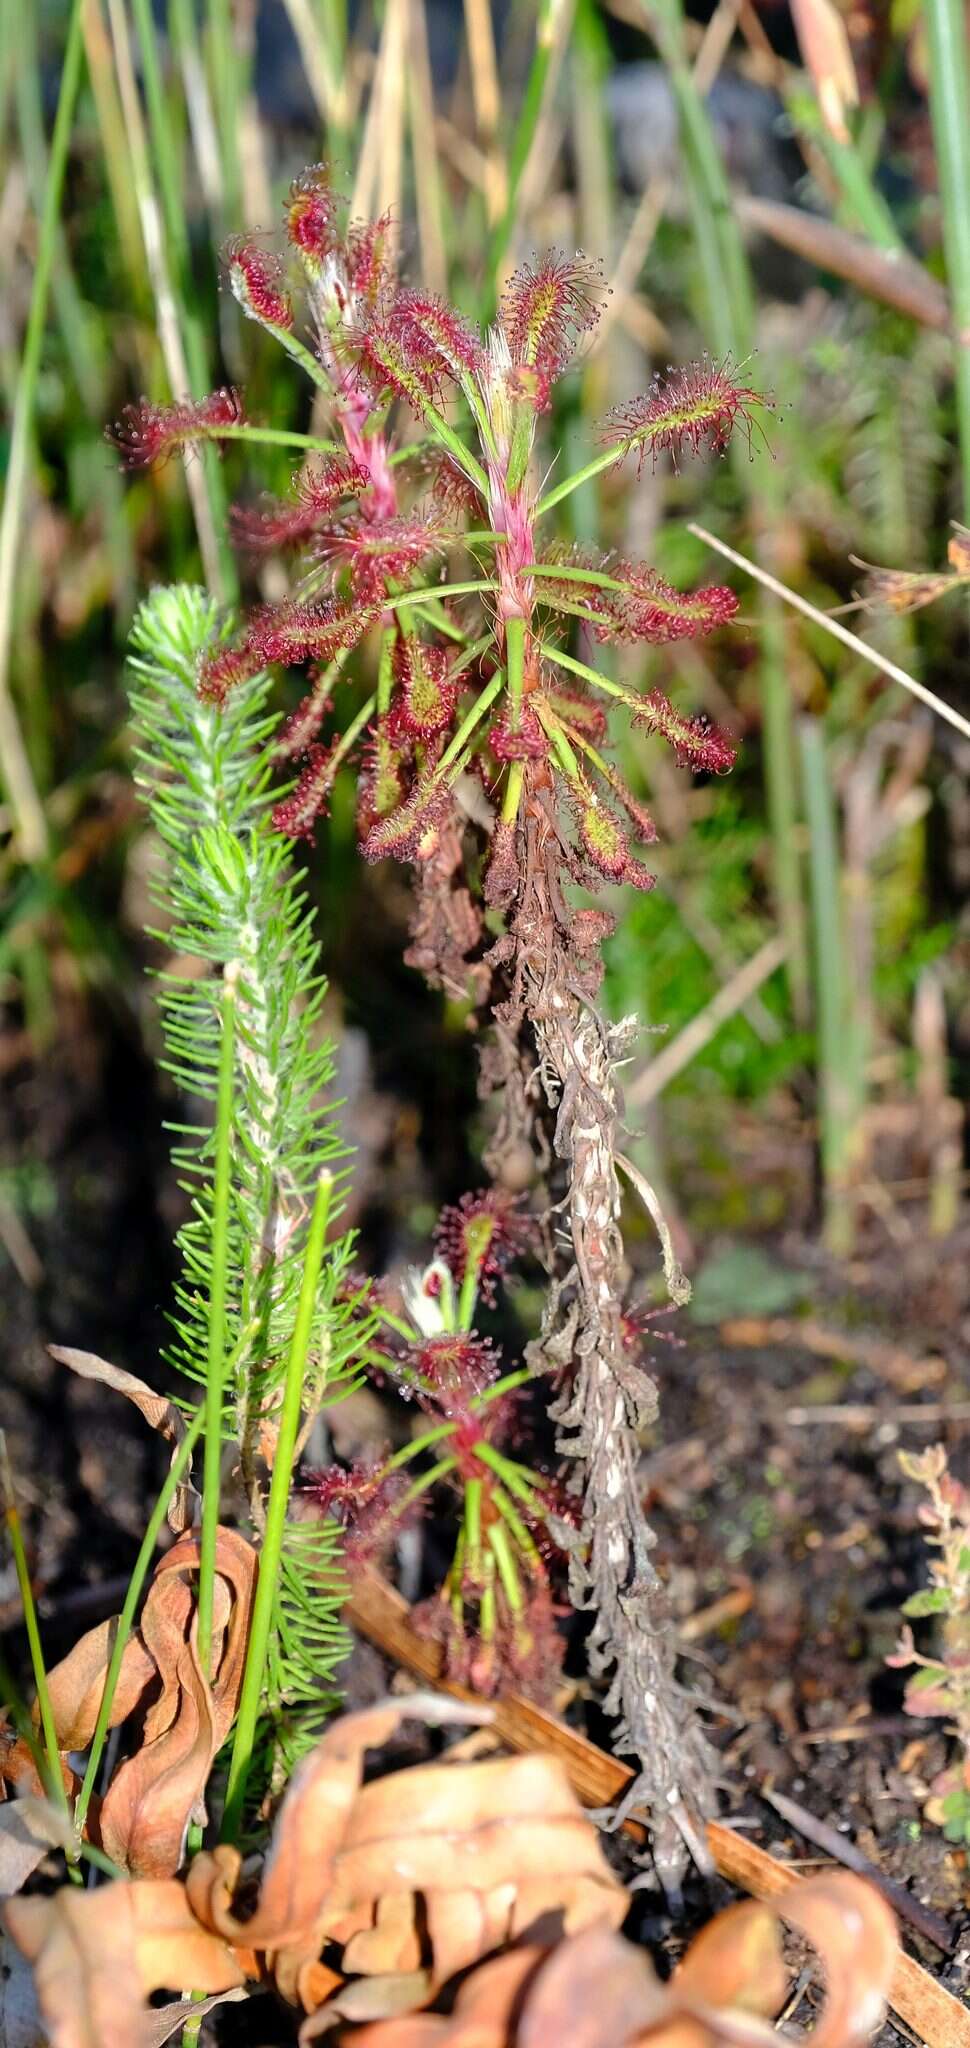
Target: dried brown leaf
{"points": [[29, 1828], [76, 1684], [854, 1932], [736, 1961], [827, 54], [153, 1796], [596, 1990], [155, 1793], [159, 1413], [297, 1889], [98, 1955]]}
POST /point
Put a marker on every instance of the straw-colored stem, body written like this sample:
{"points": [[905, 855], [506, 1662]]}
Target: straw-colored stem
{"points": [[182, 350], [553, 25], [30, 823], [838, 631], [424, 152], [946, 31]]}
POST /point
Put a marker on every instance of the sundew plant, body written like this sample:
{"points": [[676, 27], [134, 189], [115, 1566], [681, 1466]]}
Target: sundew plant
{"points": [[449, 640]]}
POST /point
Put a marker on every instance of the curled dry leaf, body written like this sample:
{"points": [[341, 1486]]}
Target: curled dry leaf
{"points": [[417, 1875], [159, 1412], [155, 1793], [596, 1990], [29, 1828], [142, 1819], [98, 1955], [416, 1878]]}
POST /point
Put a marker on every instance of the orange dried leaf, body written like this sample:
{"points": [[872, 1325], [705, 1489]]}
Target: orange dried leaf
{"points": [[155, 1793], [736, 1960], [153, 1796], [827, 55], [76, 1684], [97, 1956], [853, 1930]]}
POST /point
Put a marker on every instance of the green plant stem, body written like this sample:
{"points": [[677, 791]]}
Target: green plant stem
{"points": [[469, 1295], [730, 316], [175, 268], [515, 657], [473, 1522], [176, 1472], [596, 577], [517, 1481], [276, 1508], [863, 204], [437, 590], [512, 795], [519, 1532], [501, 1548], [216, 1358], [471, 719], [225, 80], [949, 67], [607, 460], [46, 1711], [589, 675], [277, 437], [28, 812]]}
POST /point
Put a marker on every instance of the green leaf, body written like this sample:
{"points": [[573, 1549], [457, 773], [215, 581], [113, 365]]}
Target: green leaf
{"points": [[927, 1676], [932, 1600]]}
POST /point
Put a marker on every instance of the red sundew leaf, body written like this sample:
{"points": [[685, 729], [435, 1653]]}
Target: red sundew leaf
{"points": [[546, 306], [411, 831], [704, 402], [292, 633], [282, 522], [296, 815], [380, 552], [455, 496], [367, 258], [225, 667], [604, 842], [146, 435], [311, 217], [651, 609], [527, 742], [381, 783], [426, 705], [572, 591], [488, 1229], [436, 341], [636, 811], [697, 743], [386, 364], [578, 711], [304, 723], [451, 1371], [257, 282], [366, 1500]]}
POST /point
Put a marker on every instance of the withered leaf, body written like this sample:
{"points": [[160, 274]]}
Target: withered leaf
{"points": [[158, 1411], [29, 1828], [98, 1955]]}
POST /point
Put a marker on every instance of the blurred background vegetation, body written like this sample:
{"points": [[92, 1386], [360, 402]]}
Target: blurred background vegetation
{"points": [[754, 189]]}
